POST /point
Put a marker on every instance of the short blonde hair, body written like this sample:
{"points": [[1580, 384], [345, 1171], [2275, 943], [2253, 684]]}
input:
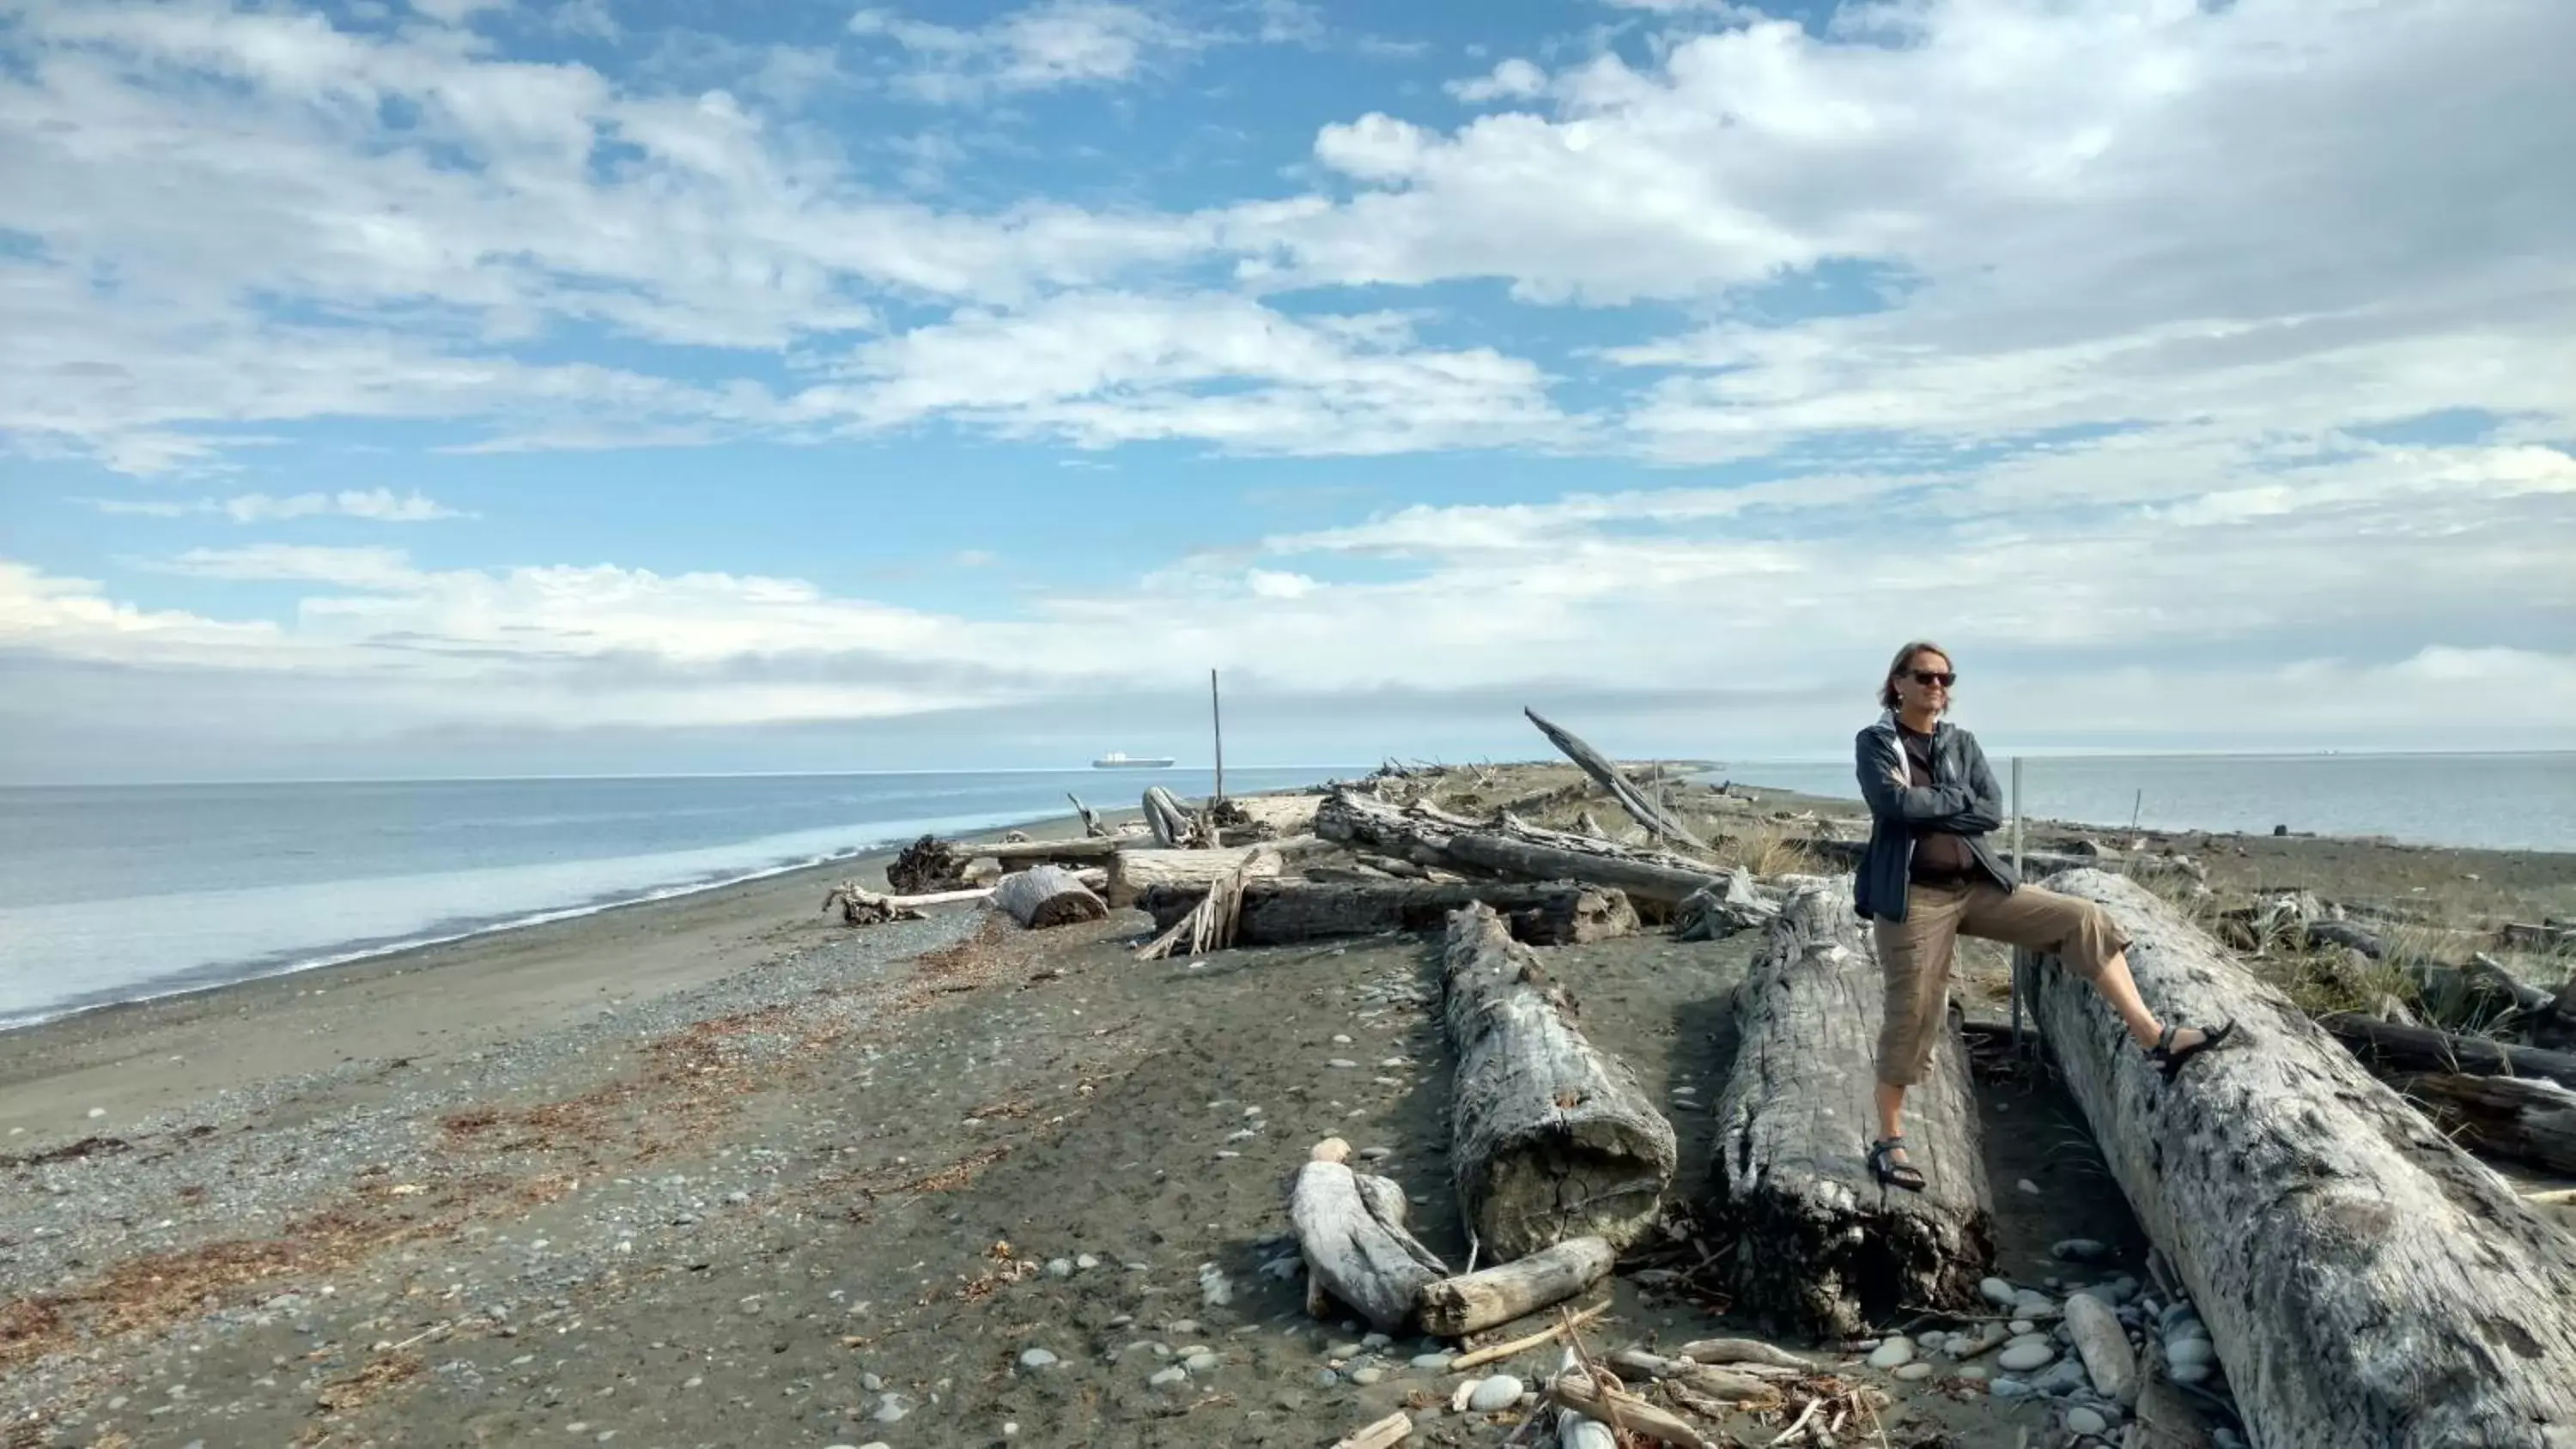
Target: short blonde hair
{"points": [[1904, 660]]}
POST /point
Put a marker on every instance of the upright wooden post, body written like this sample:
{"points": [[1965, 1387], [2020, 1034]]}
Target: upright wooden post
{"points": [[1216, 712]]}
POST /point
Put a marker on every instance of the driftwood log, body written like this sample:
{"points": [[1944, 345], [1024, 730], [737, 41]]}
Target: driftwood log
{"points": [[1134, 872], [2397, 1049], [927, 866], [1656, 820], [1090, 850], [1551, 1139], [1276, 912], [863, 907], [1429, 836], [1454, 1307], [1047, 895], [1091, 826], [2527, 1119], [1164, 816], [2364, 1280], [1350, 1228], [1820, 1246]]}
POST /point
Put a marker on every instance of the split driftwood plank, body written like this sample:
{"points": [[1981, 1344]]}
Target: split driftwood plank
{"points": [[863, 907], [1820, 1246], [1427, 835], [1048, 895], [1276, 912], [1090, 850], [1551, 1138], [1606, 770], [1350, 1227], [1453, 1307], [2396, 1048], [2346, 1256]]}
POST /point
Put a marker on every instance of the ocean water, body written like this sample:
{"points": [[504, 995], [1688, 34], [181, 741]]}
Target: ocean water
{"points": [[2490, 801], [114, 893]]}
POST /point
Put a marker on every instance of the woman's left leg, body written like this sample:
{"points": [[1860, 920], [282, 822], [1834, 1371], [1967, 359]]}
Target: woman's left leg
{"points": [[2082, 935]]}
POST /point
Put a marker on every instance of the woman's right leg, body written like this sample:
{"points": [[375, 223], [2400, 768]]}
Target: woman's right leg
{"points": [[1914, 960]]}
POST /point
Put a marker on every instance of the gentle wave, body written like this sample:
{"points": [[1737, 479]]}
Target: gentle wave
{"points": [[218, 938]]}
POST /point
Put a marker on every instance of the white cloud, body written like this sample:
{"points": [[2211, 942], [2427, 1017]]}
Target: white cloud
{"points": [[1099, 369], [1512, 80], [381, 505], [1047, 46]]}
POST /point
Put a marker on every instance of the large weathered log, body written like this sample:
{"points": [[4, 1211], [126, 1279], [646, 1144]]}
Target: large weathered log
{"points": [[1350, 1227], [1134, 872], [1820, 1246], [1426, 835], [2523, 1118], [2364, 1280], [1606, 770], [1048, 895], [1276, 912], [1452, 1307], [2395, 1048], [1551, 1139]]}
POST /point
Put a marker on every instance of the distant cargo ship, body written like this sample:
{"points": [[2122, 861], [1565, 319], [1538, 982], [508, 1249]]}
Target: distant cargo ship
{"points": [[1115, 760]]}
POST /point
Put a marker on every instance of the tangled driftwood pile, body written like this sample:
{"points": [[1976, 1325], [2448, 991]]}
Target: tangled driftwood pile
{"points": [[2327, 1251]]}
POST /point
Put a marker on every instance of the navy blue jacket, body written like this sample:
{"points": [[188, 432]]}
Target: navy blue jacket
{"points": [[1962, 799]]}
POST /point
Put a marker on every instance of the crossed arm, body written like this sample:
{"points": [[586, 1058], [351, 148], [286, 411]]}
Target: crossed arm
{"points": [[1973, 808]]}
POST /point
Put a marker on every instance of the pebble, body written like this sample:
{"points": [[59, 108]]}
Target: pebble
{"points": [[1972, 1371], [2021, 1326], [1200, 1363], [2085, 1421], [1894, 1352], [2182, 1351], [1999, 1292], [1375, 1340], [869, 1382], [1345, 1063], [2028, 1186], [1343, 1350], [2010, 1389], [1165, 1378], [2021, 1358], [1182, 1328], [891, 1409], [1059, 1267], [1499, 1392], [1086, 1262], [2190, 1373], [1368, 1375], [97, 1112], [1432, 1361], [1915, 1372], [1037, 1358]]}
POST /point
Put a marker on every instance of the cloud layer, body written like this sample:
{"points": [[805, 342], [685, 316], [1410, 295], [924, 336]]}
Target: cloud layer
{"points": [[2224, 343]]}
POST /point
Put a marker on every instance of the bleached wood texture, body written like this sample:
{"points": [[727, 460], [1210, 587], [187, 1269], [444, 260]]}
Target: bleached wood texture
{"points": [[1602, 768], [1429, 836], [2364, 1280], [1551, 1138], [1047, 895], [1464, 1304], [1350, 1228], [1820, 1246]]}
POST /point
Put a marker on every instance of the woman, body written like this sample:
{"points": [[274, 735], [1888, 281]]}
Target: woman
{"points": [[1929, 877]]}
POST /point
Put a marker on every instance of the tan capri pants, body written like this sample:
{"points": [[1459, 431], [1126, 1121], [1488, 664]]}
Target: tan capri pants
{"points": [[1915, 955]]}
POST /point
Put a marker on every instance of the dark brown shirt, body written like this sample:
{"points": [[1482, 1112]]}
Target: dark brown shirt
{"points": [[1939, 855]]}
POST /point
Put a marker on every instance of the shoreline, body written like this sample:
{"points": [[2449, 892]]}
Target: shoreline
{"points": [[135, 1058]]}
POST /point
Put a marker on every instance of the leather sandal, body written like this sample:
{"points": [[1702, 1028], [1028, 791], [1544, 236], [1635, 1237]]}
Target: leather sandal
{"points": [[1890, 1172], [2169, 1058]]}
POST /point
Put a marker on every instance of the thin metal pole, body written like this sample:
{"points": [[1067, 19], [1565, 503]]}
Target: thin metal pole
{"points": [[1216, 713], [2018, 953]]}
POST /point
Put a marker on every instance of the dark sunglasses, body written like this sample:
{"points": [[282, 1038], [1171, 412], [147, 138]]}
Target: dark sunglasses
{"points": [[1942, 678]]}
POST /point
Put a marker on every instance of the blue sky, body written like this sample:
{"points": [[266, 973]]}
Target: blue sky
{"points": [[461, 387]]}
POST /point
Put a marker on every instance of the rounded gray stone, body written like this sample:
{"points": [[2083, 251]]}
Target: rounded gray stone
{"points": [[1498, 1392], [2084, 1421], [2023, 1357]]}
